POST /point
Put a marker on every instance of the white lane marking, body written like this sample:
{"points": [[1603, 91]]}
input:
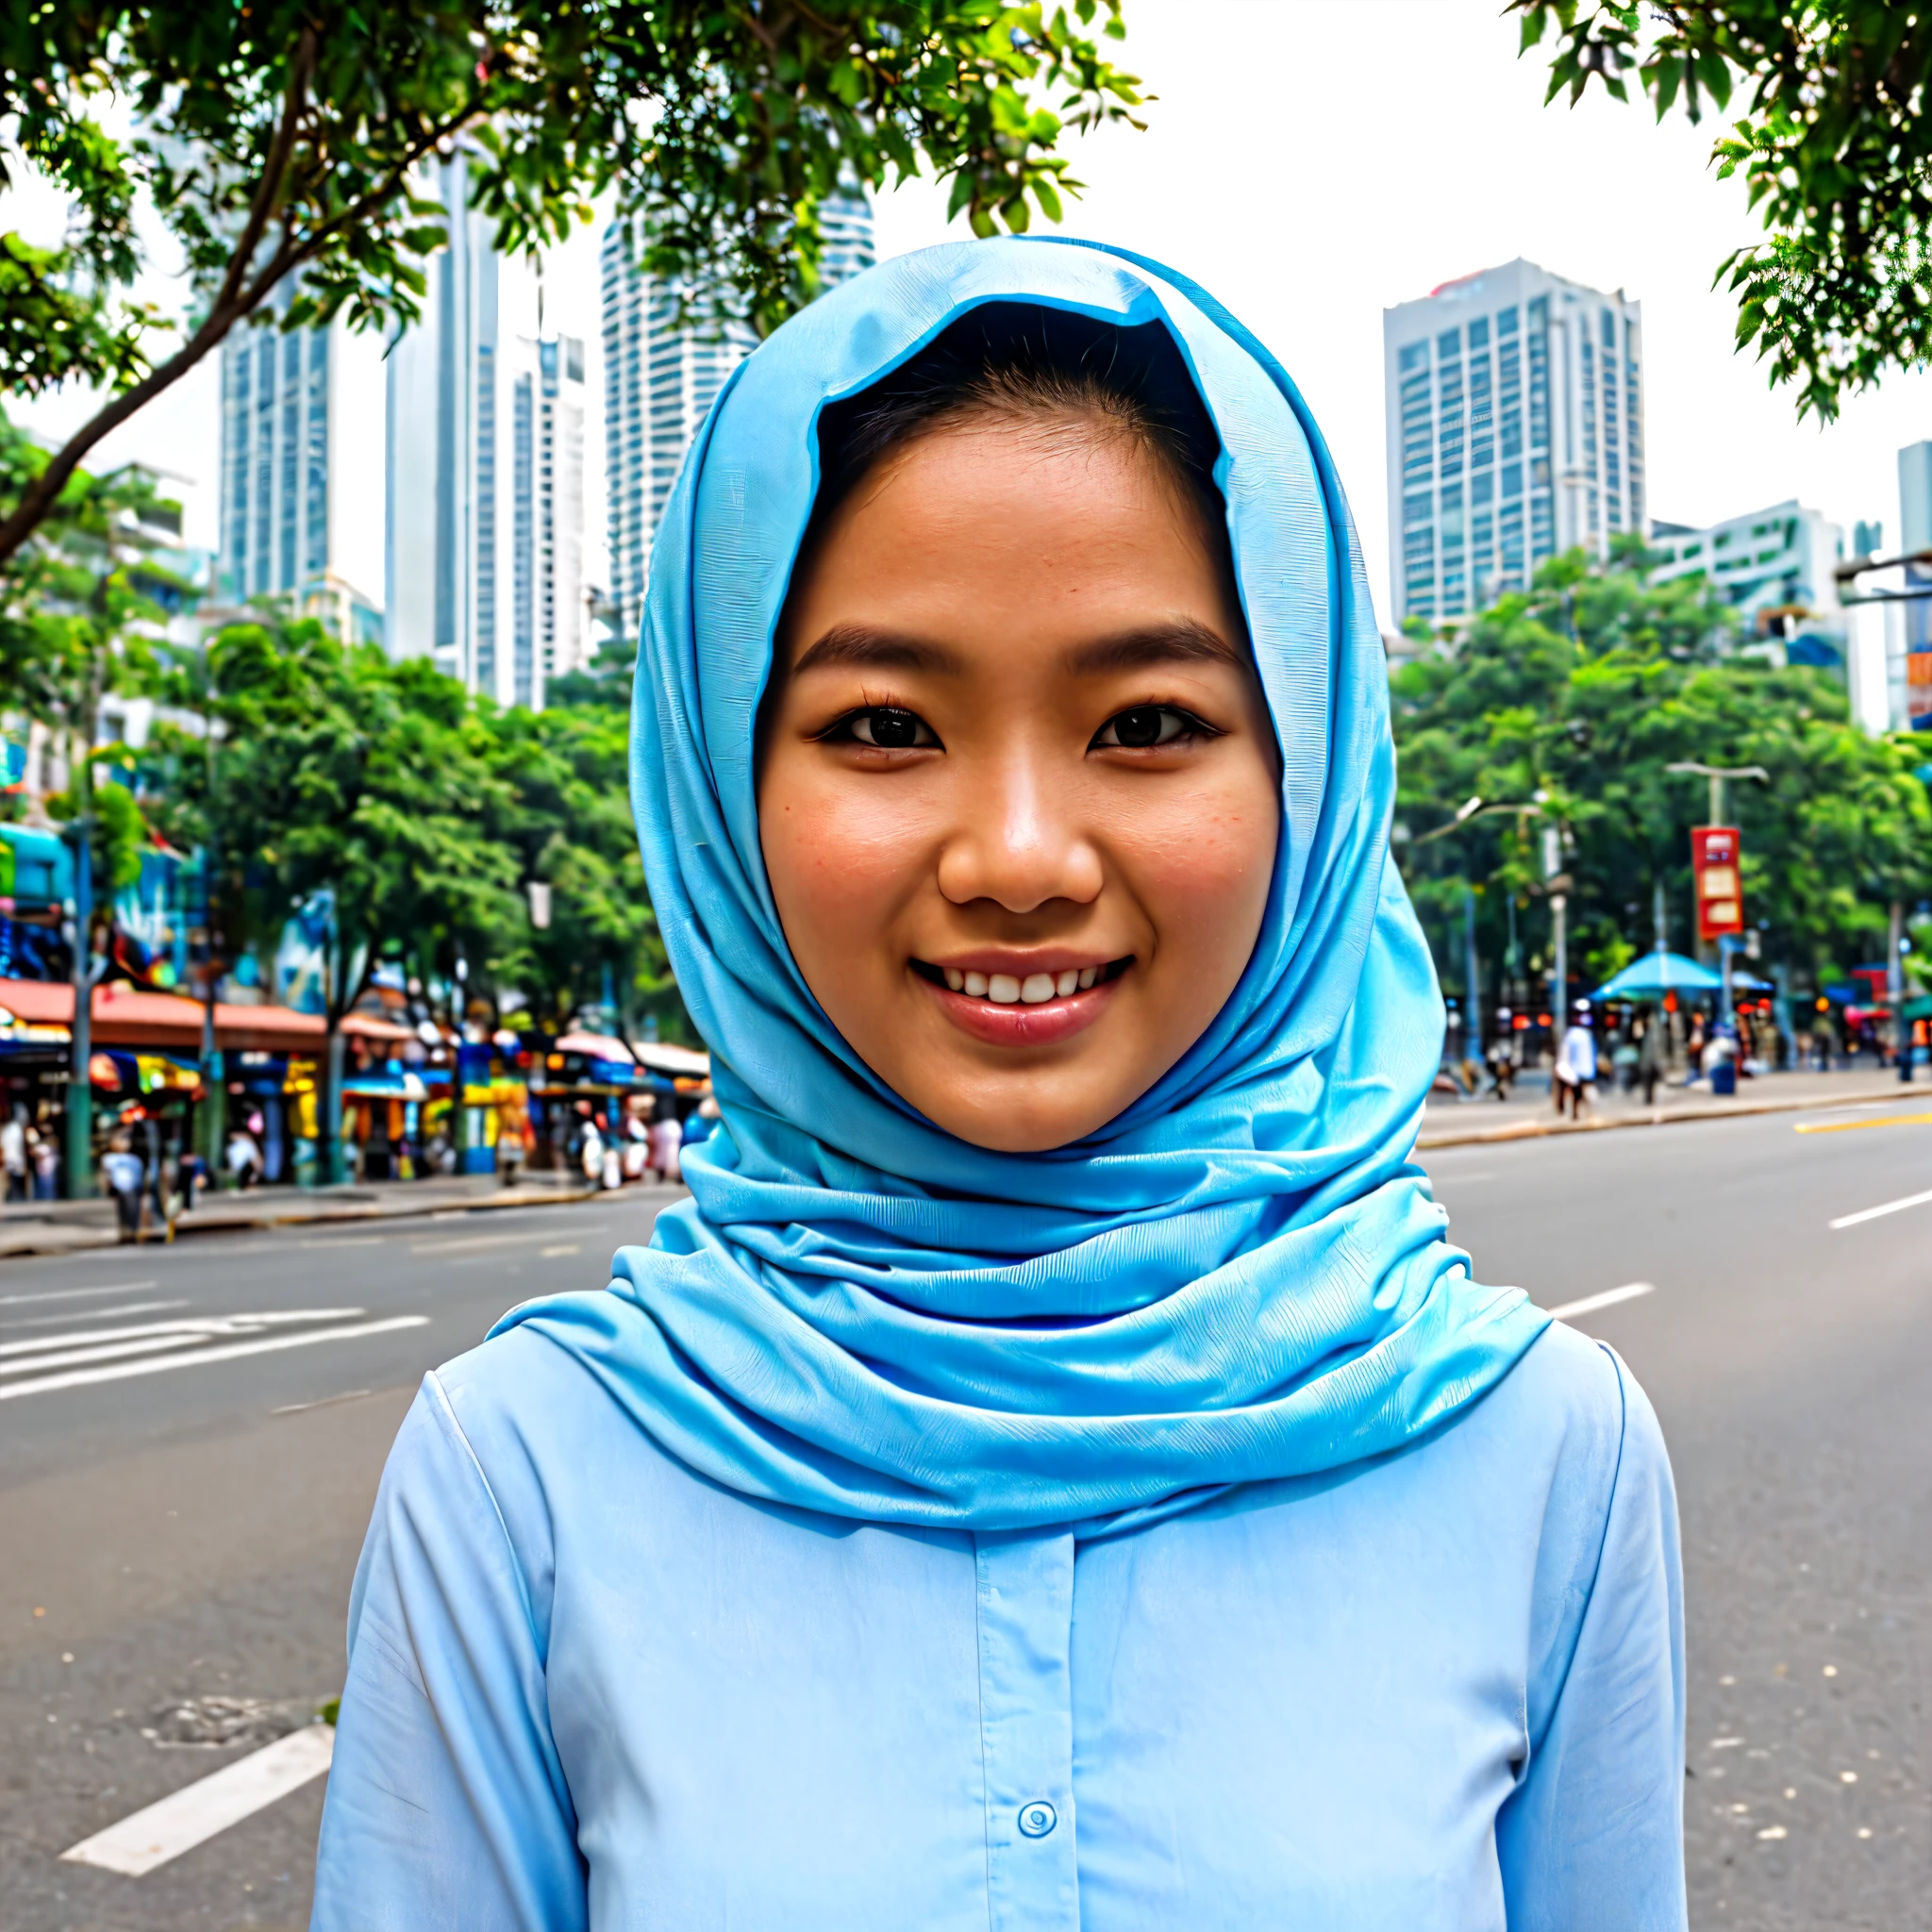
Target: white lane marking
{"points": [[96, 1314], [75, 1294], [564, 1248], [194, 1814], [211, 1324], [110, 1352], [1874, 1213], [354, 1240], [491, 1241], [1608, 1299], [234, 1350], [320, 1401]]}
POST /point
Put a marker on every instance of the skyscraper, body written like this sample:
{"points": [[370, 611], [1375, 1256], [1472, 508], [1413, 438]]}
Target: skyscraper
{"points": [[486, 497], [297, 468], [1515, 430], [659, 380]]}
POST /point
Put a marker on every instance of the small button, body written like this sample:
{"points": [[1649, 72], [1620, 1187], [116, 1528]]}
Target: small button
{"points": [[1038, 1819]]}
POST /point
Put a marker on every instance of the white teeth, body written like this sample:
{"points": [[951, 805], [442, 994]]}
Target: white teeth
{"points": [[956, 979], [1068, 982], [975, 985], [1037, 987], [1003, 989], [1088, 976]]}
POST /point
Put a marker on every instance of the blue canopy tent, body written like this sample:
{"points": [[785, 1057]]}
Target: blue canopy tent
{"points": [[1657, 974]]}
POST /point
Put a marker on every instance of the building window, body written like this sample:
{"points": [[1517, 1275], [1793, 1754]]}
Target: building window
{"points": [[1480, 334], [1482, 443], [1449, 344], [1415, 357], [1449, 432], [1512, 479]]}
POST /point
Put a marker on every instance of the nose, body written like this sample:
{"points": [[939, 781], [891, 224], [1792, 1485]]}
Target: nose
{"points": [[1020, 841]]}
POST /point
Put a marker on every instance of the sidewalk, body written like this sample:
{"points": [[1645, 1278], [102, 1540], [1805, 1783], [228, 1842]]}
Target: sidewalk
{"points": [[1530, 1114], [65, 1227]]}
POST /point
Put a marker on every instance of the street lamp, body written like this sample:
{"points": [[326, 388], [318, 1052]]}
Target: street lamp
{"points": [[1717, 775], [1467, 813]]}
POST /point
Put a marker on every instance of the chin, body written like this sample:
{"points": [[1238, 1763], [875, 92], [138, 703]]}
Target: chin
{"points": [[1012, 1126]]}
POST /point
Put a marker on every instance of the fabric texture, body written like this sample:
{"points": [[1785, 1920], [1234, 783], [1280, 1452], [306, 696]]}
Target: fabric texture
{"points": [[591, 1692], [1241, 1277]]}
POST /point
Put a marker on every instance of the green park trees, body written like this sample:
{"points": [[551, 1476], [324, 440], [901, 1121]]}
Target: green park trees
{"points": [[279, 147], [1833, 146], [1570, 701]]}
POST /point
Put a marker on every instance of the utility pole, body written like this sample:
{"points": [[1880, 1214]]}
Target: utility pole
{"points": [[80, 1093], [1895, 989], [1717, 775], [1473, 1028]]}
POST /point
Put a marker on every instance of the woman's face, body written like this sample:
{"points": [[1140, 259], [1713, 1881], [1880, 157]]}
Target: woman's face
{"points": [[1018, 792]]}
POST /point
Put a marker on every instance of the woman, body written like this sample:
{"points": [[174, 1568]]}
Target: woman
{"points": [[1053, 1472]]}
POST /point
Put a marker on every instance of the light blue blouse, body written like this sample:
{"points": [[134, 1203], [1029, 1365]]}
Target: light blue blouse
{"points": [[1442, 1688]]}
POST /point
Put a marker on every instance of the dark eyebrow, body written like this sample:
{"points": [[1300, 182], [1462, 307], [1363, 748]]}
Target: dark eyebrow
{"points": [[857, 644], [1180, 641]]}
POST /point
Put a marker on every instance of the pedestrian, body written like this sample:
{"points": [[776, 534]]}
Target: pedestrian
{"points": [[1650, 1056], [1576, 1067], [13, 1154], [46, 1164], [591, 1152], [244, 1158], [1054, 1470], [667, 1141], [124, 1172]]}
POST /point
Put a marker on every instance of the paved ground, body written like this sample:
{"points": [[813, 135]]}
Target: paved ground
{"points": [[192, 1534], [1791, 1364]]}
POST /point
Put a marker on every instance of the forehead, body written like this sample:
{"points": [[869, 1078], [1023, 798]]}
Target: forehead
{"points": [[998, 534]]}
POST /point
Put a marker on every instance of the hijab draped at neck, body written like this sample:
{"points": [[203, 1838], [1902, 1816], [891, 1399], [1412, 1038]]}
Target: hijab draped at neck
{"points": [[1243, 1276]]}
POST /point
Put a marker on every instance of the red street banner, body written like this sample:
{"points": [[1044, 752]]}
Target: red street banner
{"points": [[1715, 866]]}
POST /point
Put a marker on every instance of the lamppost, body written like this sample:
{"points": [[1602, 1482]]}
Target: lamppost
{"points": [[1717, 775], [1467, 813]]}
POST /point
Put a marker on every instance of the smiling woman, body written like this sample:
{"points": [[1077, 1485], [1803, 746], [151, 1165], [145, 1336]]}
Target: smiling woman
{"points": [[1053, 1472], [1019, 791]]}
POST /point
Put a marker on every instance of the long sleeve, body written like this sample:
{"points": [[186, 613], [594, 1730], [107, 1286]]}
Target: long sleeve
{"points": [[446, 1803], [1592, 1835]]}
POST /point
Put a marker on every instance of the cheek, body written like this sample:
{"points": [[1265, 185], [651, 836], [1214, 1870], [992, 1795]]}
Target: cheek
{"points": [[843, 859], [1202, 872]]}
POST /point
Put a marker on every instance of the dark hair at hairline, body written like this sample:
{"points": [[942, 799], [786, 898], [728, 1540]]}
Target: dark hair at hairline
{"points": [[1016, 363]]}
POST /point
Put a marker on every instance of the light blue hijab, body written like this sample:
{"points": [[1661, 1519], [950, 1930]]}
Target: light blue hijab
{"points": [[1241, 1277]]}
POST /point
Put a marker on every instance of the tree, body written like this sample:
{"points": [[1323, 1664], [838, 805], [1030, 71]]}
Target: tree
{"points": [[344, 774], [74, 613], [1570, 700], [281, 145], [1835, 147], [566, 770]]}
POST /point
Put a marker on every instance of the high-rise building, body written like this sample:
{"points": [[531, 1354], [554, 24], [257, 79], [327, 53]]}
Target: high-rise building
{"points": [[1776, 568], [297, 468], [660, 378], [485, 457], [1515, 430]]}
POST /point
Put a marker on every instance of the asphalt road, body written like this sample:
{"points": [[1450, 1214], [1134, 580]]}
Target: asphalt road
{"points": [[192, 1533]]}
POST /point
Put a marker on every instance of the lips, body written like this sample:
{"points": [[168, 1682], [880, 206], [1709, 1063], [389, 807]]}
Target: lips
{"points": [[1031, 983], [1024, 1002]]}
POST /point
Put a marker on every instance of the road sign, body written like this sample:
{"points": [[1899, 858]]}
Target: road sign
{"points": [[1716, 865]]}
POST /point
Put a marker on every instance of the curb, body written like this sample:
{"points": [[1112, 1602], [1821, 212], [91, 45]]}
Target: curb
{"points": [[77, 1240], [1655, 1117]]}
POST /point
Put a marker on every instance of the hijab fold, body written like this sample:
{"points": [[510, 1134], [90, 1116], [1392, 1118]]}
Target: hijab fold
{"points": [[1243, 1276]]}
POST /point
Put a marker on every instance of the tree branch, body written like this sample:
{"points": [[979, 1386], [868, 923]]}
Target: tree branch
{"points": [[39, 496]]}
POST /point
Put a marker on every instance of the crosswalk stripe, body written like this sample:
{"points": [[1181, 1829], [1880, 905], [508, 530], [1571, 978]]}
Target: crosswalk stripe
{"points": [[194, 1814], [227, 1352]]}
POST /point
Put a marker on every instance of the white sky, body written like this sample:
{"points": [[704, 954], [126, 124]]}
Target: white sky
{"points": [[1314, 161]]}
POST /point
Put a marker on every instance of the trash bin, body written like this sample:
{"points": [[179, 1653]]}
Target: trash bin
{"points": [[1723, 1078]]}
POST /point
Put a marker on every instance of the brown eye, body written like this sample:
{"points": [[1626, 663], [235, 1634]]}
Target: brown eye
{"points": [[889, 728], [1146, 726]]}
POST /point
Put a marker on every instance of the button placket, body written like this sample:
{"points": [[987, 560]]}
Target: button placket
{"points": [[1025, 1605]]}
